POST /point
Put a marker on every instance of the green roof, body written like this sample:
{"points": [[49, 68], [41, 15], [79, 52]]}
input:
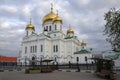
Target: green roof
{"points": [[68, 37], [82, 52]]}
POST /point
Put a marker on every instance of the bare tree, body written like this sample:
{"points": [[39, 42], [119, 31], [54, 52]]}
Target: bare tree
{"points": [[112, 28]]}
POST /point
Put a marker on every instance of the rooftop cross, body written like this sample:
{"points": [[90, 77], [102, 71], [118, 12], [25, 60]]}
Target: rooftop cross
{"points": [[51, 7], [30, 20]]}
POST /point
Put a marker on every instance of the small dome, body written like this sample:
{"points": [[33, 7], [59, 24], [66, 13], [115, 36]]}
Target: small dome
{"points": [[70, 31], [59, 19], [83, 43], [30, 26], [49, 16]]}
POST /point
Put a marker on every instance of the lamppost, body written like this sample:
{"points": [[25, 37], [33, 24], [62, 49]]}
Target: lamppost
{"points": [[69, 64], [77, 59], [25, 62], [56, 62], [41, 61], [86, 62]]}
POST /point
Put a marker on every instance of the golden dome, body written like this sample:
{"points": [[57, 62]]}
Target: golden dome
{"points": [[30, 26], [49, 16], [59, 19], [70, 31], [83, 43]]}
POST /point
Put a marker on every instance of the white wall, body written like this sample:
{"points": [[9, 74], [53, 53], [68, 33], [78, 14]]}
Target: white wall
{"points": [[82, 58]]}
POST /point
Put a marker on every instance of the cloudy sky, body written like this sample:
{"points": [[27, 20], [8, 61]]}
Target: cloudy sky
{"points": [[85, 16]]}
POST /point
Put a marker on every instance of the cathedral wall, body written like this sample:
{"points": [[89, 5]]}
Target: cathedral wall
{"points": [[68, 51], [47, 49], [57, 26], [55, 43], [82, 58]]}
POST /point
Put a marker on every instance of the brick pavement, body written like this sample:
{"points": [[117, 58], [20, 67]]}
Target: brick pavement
{"points": [[56, 75]]}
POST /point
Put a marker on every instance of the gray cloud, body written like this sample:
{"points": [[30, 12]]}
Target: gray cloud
{"points": [[85, 16]]}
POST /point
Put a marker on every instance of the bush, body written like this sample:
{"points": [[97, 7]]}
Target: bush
{"points": [[27, 71], [1, 70], [34, 68]]}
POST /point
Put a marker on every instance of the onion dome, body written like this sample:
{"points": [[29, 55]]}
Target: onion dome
{"points": [[30, 26], [83, 43], [57, 18], [49, 16], [70, 30]]}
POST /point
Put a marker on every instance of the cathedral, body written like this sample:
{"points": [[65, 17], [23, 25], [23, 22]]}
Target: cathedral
{"points": [[51, 43]]}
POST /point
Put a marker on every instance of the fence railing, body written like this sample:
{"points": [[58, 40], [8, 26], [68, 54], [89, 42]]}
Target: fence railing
{"points": [[13, 65]]}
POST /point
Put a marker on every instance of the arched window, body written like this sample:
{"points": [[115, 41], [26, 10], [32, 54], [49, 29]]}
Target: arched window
{"points": [[50, 28], [35, 48], [47, 28], [41, 48], [30, 49], [27, 32], [25, 49], [55, 27], [54, 48]]}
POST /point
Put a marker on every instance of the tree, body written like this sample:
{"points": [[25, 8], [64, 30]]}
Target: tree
{"points": [[112, 28]]}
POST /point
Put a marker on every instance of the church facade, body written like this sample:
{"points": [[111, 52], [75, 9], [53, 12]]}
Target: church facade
{"points": [[51, 43]]}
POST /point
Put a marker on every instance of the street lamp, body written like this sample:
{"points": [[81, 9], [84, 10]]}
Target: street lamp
{"points": [[25, 62], [77, 59], [41, 61], [56, 62], [86, 62]]}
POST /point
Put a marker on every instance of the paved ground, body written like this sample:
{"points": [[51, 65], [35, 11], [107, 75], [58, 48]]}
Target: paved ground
{"points": [[56, 75]]}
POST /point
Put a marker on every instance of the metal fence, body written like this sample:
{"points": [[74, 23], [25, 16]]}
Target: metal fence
{"points": [[13, 65]]}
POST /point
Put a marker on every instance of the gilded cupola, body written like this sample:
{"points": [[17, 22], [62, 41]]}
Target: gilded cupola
{"points": [[49, 16], [70, 30], [83, 43], [30, 25], [57, 18]]}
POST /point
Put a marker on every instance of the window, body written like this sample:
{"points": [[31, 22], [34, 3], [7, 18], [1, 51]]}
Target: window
{"points": [[35, 48], [27, 32], [47, 28], [54, 48], [25, 49], [41, 48], [50, 28], [30, 49], [55, 27]]}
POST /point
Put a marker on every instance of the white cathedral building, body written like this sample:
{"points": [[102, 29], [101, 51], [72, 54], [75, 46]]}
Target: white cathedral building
{"points": [[51, 43]]}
